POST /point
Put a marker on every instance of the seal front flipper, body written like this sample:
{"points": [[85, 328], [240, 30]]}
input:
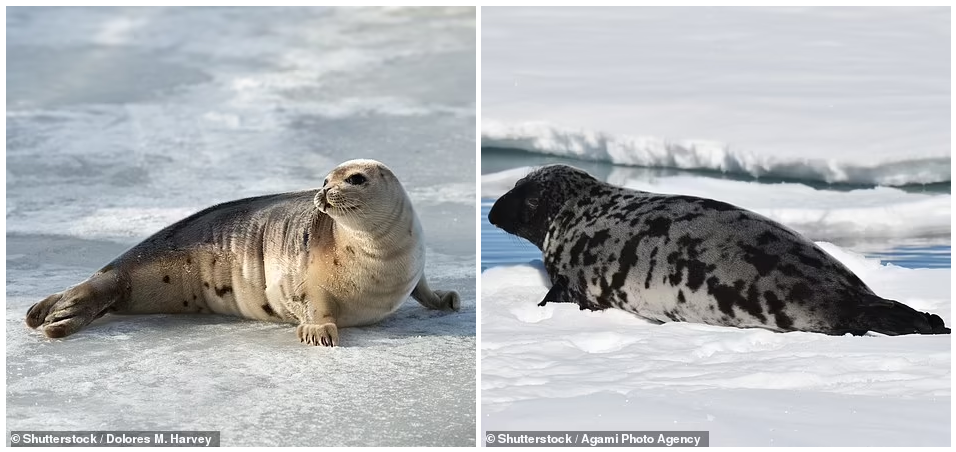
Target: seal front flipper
{"points": [[319, 325], [557, 294]]}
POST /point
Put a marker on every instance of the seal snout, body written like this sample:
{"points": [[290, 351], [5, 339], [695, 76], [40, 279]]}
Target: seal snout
{"points": [[501, 213], [493, 216], [321, 201]]}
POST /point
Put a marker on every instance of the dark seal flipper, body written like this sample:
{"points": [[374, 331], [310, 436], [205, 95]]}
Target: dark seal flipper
{"points": [[557, 294], [894, 318]]}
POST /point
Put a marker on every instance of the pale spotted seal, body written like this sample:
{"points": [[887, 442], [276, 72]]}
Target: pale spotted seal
{"points": [[683, 258], [346, 254]]}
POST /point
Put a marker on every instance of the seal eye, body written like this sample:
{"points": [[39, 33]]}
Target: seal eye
{"points": [[355, 179]]}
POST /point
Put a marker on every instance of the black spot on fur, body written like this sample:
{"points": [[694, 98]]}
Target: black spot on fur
{"points": [[206, 284], [622, 296], [710, 204], [725, 295], [687, 258], [194, 296], [809, 261], [688, 216], [599, 238], [305, 240], [349, 249], [185, 304], [578, 248], [650, 271], [594, 243], [696, 272], [166, 279], [658, 227], [752, 303], [596, 191], [189, 261], [680, 297], [224, 290], [790, 270], [268, 310], [628, 260], [800, 292], [335, 261], [767, 237], [762, 261], [775, 307]]}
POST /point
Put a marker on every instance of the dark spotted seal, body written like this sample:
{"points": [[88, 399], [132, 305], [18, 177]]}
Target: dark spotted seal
{"points": [[688, 259], [344, 255]]}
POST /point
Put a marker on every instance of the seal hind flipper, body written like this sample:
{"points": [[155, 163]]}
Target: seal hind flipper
{"points": [[38, 312], [893, 318], [67, 312]]}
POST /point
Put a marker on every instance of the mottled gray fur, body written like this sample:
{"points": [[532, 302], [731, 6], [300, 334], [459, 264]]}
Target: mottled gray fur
{"points": [[683, 258]]}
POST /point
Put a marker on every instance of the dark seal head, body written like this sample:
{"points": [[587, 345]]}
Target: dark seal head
{"points": [[683, 258], [536, 199]]}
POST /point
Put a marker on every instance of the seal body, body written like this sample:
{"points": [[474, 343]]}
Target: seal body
{"points": [[346, 254], [683, 258]]}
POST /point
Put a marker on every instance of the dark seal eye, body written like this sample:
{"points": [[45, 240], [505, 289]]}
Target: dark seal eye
{"points": [[355, 179]]}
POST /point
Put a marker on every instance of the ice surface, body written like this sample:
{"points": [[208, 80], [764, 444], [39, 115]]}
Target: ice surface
{"points": [[851, 95], [851, 216], [123, 120], [556, 367]]}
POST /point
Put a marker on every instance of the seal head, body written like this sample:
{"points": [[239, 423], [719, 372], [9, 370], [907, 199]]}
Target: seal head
{"points": [[536, 199]]}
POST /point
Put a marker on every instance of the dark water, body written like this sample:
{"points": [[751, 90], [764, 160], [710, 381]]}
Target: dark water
{"points": [[500, 248]]}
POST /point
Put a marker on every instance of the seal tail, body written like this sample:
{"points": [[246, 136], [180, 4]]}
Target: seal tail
{"points": [[894, 318]]}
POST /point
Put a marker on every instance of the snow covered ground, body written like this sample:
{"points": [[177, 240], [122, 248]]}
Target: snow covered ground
{"points": [[559, 368], [855, 95], [121, 121], [765, 106]]}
